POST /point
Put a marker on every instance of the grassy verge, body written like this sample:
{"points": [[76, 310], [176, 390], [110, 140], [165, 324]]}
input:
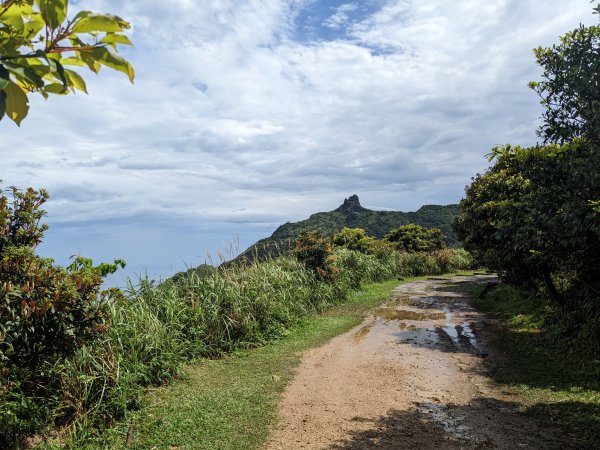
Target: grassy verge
{"points": [[230, 403], [559, 387]]}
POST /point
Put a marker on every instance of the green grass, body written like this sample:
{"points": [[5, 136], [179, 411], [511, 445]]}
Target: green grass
{"points": [[230, 403], [560, 387]]}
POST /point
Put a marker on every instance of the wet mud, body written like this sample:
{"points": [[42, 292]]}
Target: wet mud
{"points": [[411, 376]]}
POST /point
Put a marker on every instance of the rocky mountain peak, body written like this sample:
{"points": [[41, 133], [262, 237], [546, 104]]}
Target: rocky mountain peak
{"points": [[350, 204]]}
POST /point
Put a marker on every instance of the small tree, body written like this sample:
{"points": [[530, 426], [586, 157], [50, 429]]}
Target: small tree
{"points": [[316, 253], [37, 41], [415, 238], [45, 310], [353, 239]]}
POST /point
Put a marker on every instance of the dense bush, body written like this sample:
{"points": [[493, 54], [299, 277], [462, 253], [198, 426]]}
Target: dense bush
{"points": [[47, 313], [534, 216], [355, 239], [316, 253], [531, 217], [415, 238]]}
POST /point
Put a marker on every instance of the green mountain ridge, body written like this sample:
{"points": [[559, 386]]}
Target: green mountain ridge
{"points": [[352, 214]]}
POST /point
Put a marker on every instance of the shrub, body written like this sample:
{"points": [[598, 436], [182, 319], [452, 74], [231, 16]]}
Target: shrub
{"points": [[415, 238], [354, 239], [316, 253], [46, 313], [531, 217]]}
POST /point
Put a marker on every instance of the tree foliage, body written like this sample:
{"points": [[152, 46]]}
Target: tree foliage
{"points": [[570, 86], [532, 215], [354, 239], [38, 44], [44, 309], [415, 238]]}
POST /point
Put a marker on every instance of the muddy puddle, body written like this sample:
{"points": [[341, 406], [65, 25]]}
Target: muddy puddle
{"points": [[362, 333], [405, 301], [454, 337], [439, 414], [405, 314], [462, 335], [442, 322]]}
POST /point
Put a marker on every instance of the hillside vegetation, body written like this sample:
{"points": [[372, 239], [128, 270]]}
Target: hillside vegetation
{"points": [[352, 214]]}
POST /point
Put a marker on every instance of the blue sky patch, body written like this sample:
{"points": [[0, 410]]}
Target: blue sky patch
{"points": [[332, 19], [200, 86]]}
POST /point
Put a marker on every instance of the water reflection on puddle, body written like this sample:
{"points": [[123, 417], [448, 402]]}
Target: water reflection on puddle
{"points": [[456, 336], [362, 333], [423, 337], [461, 335], [404, 314], [423, 320]]}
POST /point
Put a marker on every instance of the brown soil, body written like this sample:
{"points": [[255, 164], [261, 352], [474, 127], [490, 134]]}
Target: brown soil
{"points": [[411, 376]]}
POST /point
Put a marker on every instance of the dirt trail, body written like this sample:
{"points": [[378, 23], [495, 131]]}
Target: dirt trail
{"points": [[411, 376]]}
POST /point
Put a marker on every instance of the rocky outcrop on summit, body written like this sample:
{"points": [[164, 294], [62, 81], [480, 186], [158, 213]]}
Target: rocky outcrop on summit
{"points": [[350, 205], [353, 215]]}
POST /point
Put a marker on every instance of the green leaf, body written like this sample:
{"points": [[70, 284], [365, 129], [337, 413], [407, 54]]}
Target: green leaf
{"points": [[72, 61], [114, 61], [89, 60], [84, 14], [17, 103], [15, 22], [55, 88], [4, 77], [27, 73], [57, 68], [33, 26], [17, 9], [98, 22], [76, 80], [2, 104], [54, 12], [112, 38]]}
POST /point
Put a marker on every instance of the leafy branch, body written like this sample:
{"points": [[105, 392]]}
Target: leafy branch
{"points": [[34, 48]]}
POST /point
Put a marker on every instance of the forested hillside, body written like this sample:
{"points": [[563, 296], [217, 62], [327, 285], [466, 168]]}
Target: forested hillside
{"points": [[352, 214]]}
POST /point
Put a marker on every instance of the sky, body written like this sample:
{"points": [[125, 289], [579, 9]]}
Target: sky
{"points": [[247, 114]]}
